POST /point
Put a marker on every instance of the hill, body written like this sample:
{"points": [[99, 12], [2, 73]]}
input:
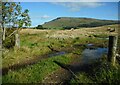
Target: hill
{"points": [[72, 22]]}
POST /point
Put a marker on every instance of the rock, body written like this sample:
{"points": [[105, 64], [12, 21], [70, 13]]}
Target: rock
{"points": [[72, 29], [112, 30]]}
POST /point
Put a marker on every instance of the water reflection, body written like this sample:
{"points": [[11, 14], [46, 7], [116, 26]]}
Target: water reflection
{"points": [[90, 54]]}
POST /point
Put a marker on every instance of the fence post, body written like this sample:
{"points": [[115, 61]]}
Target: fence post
{"points": [[112, 49], [17, 40]]}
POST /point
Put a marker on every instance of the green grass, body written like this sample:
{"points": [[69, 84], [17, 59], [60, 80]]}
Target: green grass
{"points": [[104, 73], [16, 55], [82, 78], [108, 74], [37, 72], [35, 45], [101, 35], [89, 40]]}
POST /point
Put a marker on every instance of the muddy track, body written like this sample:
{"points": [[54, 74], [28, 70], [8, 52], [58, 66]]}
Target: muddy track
{"points": [[67, 72], [61, 75], [35, 60], [22, 64], [30, 62]]}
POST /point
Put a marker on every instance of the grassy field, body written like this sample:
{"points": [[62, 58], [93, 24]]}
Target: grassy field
{"points": [[37, 44]]}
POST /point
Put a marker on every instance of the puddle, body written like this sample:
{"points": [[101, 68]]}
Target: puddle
{"points": [[57, 54], [89, 45], [92, 54]]}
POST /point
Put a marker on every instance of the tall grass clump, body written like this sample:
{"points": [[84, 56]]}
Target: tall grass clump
{"points": [[103, 73], [107, 74]]}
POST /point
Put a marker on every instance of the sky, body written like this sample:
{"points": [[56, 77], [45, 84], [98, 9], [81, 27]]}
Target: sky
{"points": [[41, 12]]}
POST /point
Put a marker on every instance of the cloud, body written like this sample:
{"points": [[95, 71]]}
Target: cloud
{"points": [[42, 17], [76, 6], [45, 17]]}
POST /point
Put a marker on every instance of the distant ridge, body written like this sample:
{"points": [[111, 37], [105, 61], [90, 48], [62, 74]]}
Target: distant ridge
{"points": [[76, 22]]}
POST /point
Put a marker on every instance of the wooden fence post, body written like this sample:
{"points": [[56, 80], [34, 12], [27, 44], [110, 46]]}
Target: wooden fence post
{"points": [[17, 40], [112, 49]]}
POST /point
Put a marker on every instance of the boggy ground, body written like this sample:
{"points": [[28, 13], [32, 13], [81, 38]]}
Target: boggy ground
{"points": [[36, 45]]}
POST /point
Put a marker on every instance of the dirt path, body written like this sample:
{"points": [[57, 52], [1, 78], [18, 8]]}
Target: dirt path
{"points": [[62, 75], [59, 76]]}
